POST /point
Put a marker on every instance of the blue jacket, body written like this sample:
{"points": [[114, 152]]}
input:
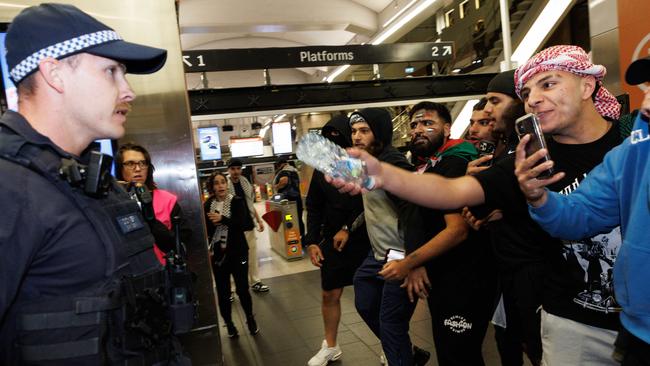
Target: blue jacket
{"points": [[616, 192]]}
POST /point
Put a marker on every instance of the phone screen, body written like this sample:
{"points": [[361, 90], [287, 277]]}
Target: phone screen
{"points": [[486, 147], [394, 254], [529, 125]]}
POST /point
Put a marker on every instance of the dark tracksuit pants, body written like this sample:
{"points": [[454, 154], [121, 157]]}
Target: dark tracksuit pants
{"points": [[386, 309], [239, 272], [521, 289], [461, 303]]}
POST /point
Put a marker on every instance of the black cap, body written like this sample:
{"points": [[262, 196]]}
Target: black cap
{"points": [[503, 83], [60, 30], [638, 72], [235, 162]]}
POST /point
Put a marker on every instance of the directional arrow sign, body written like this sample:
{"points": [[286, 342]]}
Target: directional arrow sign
{"points": [[273, 58]]}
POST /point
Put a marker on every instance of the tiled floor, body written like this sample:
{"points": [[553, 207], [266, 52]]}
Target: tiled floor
{"points": [[291, 328], [289, 317]]}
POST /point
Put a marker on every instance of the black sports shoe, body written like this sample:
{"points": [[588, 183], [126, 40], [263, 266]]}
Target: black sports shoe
{"points": [[252, 325], [232, 330], [420, 356]]}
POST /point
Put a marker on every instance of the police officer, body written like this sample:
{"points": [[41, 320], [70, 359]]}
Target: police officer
{"points": [[79, 283]]}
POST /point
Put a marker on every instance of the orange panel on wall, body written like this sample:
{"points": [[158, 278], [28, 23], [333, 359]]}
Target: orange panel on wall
{"points": [[634, 41]]}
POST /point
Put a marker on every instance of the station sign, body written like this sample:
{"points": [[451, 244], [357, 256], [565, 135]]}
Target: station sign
{"points": [[312, 56]]}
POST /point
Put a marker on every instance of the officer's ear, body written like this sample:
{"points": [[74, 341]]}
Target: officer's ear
{"points": [[50, 70]]}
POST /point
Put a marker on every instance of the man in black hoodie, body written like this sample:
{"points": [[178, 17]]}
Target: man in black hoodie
{"points": [[383, 305], [336, 240]]}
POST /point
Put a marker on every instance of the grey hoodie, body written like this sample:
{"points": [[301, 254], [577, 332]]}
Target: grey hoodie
{"points": [[381, 207]]}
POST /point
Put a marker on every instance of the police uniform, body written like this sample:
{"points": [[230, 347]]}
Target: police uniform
{"points": [[64, 253]]}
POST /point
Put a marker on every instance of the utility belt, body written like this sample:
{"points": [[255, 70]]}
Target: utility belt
{"points": [[131, 322]]}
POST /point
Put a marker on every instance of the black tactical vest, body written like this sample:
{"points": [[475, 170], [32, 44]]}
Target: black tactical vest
{"points": [[125, 319]]}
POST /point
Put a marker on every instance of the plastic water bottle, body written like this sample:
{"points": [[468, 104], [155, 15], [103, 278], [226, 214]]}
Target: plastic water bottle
{"points": [[329, 158]]}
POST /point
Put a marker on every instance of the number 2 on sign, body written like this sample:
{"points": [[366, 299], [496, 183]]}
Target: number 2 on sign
{"points": [[435, 51]]}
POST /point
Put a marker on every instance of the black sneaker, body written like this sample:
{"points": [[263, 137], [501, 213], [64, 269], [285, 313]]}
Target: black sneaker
{"points": [[232, 330], [252, 325], [260, 287], [420, 356]]}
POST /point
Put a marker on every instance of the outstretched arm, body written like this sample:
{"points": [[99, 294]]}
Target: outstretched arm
{"points": [[429, 190]]}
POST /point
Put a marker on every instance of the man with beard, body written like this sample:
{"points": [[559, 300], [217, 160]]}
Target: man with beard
{"points": [[480, 124], [441, 258], [336, 240], [382, 304], [238, 185], [500, 97]]}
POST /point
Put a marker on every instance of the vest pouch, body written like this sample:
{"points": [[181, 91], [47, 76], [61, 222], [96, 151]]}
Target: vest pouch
{"points": [[182, 309], [182, 316], [146, 334], [65, 331]]}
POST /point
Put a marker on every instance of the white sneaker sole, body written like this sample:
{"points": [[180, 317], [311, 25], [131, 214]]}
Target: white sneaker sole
{"points": [[336, 357]]}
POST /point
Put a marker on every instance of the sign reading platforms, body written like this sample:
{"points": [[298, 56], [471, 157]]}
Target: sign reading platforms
{"points": [[279, 58]]}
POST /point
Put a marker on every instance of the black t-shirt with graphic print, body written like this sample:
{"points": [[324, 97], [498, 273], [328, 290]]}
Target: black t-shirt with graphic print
{"points": [[578, 275], [579, 282]]}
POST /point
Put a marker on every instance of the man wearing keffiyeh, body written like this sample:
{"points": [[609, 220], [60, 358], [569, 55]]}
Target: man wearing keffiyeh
{"points": [[564, 89]]}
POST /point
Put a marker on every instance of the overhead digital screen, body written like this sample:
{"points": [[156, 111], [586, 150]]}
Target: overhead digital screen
{"points": [[282, 138], [209, 143], [240, 148]]}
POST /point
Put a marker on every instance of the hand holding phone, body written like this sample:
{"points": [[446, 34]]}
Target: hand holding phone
{"points": [[529, 125]]}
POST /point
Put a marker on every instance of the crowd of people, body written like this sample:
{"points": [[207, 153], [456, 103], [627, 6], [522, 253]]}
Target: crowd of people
{"points": [[471, 226], [567, 251]]}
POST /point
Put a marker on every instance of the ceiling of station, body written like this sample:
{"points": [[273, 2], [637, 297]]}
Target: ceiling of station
{"points": [[223, 24]]}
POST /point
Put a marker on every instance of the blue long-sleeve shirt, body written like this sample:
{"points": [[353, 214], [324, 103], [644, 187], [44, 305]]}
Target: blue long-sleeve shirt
{"points": [[614, 193]]}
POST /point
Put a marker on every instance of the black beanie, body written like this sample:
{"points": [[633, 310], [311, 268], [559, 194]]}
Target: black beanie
{"points": [[503, 83]]}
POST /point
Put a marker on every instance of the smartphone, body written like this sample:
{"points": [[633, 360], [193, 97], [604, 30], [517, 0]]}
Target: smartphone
{"points": [[394, 254], [529, 125], [486, 147]]}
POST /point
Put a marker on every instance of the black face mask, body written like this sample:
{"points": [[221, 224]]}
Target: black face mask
{"points": [[339, 140]]}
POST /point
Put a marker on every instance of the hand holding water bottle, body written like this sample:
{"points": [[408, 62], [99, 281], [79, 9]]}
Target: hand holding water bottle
{"points": [[342, 170]]}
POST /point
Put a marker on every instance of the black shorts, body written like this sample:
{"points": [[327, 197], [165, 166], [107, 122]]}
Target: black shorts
{"points": [[339, 267]]}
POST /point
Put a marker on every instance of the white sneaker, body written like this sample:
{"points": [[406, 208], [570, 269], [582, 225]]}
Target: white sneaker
{"points": [[382, 359], [325, 355]]}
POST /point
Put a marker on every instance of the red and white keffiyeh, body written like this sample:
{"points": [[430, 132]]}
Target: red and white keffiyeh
{"points": [[575, 60]]}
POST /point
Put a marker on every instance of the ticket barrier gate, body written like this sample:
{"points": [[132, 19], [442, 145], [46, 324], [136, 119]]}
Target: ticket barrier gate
{"points": [[282, 218]]}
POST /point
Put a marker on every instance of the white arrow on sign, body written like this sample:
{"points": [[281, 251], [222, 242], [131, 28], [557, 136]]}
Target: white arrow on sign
{"points": [[185, 61], [446, 50]]}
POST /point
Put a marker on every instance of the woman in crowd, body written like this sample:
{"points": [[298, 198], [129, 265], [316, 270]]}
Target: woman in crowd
{"points": [[225, 216], [134, 167]]}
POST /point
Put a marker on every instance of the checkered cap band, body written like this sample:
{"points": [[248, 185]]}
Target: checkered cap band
{"points": [[575, 60], [61, 49]]}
